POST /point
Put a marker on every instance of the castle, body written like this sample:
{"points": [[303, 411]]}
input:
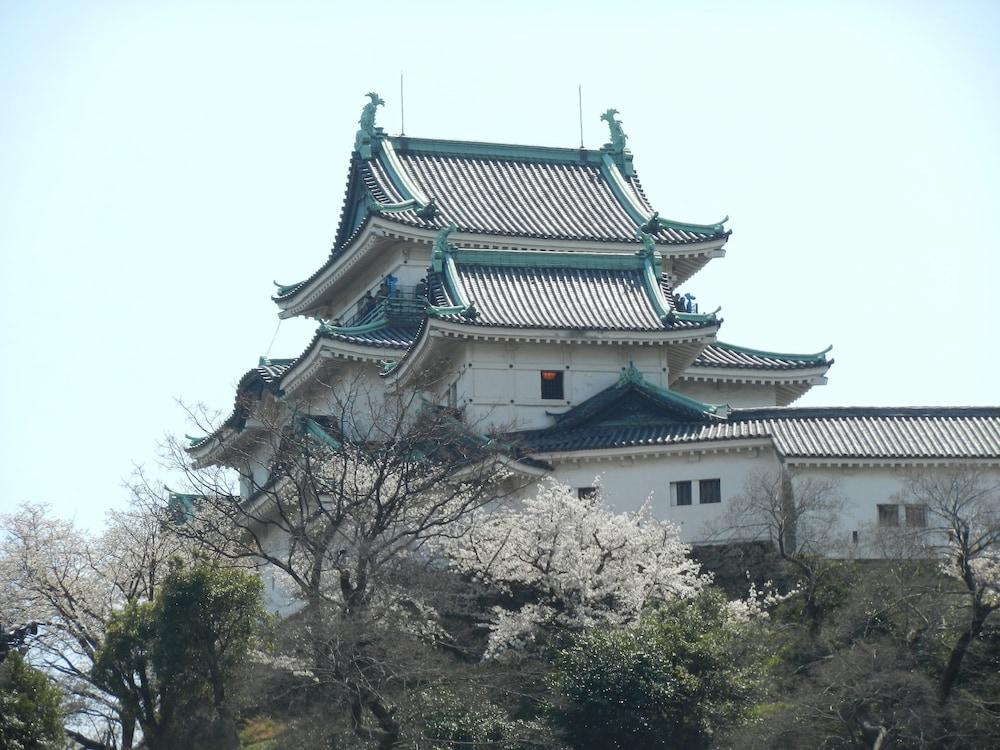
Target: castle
{"points": [[536, 292]]}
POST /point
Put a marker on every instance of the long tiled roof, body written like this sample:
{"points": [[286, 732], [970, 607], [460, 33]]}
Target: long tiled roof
{"points": [[731, 356], [558, 297], [930, 432], [831, 433], [511, 191]]}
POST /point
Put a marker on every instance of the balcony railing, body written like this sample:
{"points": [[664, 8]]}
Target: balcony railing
{"points": [[402, 308]]}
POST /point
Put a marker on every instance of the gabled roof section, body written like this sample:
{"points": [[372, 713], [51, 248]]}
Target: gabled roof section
{"points": [[507, 190], [632, 401], [499, 190]]}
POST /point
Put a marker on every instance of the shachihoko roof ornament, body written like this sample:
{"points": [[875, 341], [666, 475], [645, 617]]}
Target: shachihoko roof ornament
{"points": [[365, 139], [616, 149]]}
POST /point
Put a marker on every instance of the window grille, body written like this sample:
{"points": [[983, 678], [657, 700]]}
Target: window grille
{"points": [[680, 493], [888, 515], [552, 384], [709, 491]]}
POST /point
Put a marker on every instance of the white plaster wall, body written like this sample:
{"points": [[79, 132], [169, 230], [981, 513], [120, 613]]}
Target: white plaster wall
{"points": [[627, 482], [734, 394], [499, 384], [863, 488]]}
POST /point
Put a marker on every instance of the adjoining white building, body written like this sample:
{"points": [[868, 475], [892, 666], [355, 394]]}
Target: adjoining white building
{"points": [[538, 293]]}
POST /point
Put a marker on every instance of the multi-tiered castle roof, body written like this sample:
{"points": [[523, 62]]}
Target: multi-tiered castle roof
{"points": [[533, 246]]}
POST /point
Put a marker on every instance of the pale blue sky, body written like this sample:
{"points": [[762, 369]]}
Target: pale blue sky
{"points": [[161, 163]]}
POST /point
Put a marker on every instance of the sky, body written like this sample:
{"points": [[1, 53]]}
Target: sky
{"points": [[162, 163]]}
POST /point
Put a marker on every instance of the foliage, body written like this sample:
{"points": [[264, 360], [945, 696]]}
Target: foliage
{"points": [[73, 582], [170, 661], [442, 719], [570, 563], [30, 716], [675, 681]]}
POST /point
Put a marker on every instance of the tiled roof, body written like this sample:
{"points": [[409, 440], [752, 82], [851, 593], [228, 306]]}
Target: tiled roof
{"points": [[728, 355], [881, 432], [558, 297], [272, 369], [834, 433], [502, 190], [637, 436], [391, 337]]}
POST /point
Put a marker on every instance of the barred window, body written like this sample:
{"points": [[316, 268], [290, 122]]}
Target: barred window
{"points": [[586, 493], [552, 384], [916, 516], [680, 493], [888, 515], [709, 491]]}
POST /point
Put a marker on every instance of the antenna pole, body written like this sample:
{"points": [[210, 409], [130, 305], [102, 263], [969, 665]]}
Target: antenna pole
{"points": [[402, 108], [579, 94]]}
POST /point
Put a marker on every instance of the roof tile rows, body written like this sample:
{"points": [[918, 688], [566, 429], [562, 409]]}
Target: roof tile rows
{"points": [[726, 355], [509, 195], [808, 433], [392, 337], [558, 297]]}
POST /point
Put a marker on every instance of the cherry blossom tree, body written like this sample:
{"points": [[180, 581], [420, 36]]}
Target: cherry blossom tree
{"points": [[72, 582], [344, 522], [569, 563]]}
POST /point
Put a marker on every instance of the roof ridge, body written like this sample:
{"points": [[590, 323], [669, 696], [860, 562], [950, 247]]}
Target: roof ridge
{"points": [[513, 151], [820, 412]]}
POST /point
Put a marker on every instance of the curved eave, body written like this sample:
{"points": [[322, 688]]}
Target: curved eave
{"points": [[323, 349], [790, 384], [436, 331], [311, 294]]}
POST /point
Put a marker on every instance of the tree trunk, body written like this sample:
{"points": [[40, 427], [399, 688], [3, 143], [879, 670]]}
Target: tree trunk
{"points": [[950, 674], [789, 516]]}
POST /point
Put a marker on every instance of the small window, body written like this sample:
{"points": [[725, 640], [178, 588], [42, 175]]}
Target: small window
{"points": [[888, 515], [916, 516], [586, 493], [854, 537], [453, 395], [709, 491], [680, 493], [552, 384]]}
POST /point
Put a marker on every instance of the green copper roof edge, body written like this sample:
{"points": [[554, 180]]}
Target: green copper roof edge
{"points": [[397, 173], [391, 208], [697, 317], [622, 191], [266, 361], [819, 357], [628, 379], [545, 259], [379, 322], [284, 289], [313, 427], [513, 151], [651, 280], [454, 283], [687, 226], [441, 310]]}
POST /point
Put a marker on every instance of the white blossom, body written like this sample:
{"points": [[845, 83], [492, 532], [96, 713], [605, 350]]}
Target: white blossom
{"points": [[572, 562]]}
